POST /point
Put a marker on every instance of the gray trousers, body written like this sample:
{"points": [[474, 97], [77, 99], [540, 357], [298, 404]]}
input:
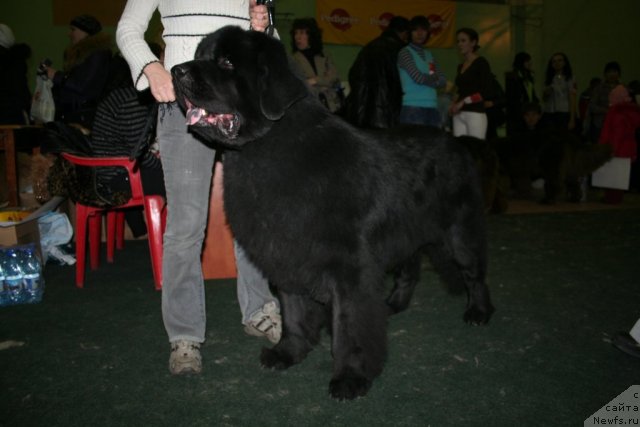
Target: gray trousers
{"points": [[188, 166]]}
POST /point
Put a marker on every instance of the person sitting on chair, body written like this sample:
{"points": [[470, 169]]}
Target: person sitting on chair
{"points": [[125, 120]]}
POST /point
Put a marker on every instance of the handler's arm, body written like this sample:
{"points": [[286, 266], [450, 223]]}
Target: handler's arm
{"points": [[259, 16]]}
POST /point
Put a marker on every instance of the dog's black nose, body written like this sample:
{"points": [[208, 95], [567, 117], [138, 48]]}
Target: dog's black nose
{"points": [[179, 71]]}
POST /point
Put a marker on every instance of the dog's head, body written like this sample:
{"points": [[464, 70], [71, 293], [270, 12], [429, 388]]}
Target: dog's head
{"points": [[236, 87]]}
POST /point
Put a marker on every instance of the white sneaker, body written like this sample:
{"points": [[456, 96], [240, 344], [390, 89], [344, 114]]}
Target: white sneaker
{"points": [[185, 358], [265, 322]]}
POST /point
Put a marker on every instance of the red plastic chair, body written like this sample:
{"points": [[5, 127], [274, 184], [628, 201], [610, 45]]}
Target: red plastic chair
{"points": [[154, 210]]}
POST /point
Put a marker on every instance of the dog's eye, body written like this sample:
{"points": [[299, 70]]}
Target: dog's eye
{"points": [[224, 62]]}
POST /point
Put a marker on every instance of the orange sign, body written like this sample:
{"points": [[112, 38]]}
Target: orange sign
{"points": [[107, 12], [357, 22]]}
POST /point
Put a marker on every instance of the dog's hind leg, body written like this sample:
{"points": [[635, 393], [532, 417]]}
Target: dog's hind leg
{"points": [[303, 319], [359, 341], [460, 259], [406, 276]]}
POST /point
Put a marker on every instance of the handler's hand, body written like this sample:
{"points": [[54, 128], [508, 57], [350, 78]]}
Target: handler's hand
{"points": [[160, 82], [259, 16]]}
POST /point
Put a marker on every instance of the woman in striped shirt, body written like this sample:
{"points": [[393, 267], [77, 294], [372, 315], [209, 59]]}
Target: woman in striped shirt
{"points": [[420, 76]]}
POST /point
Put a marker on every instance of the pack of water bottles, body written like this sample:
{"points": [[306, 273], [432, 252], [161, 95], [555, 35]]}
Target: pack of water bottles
{"points": [[21, 279]]}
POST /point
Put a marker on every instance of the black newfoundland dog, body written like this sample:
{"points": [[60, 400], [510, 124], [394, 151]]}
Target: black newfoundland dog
{"points": [[326, 210]]}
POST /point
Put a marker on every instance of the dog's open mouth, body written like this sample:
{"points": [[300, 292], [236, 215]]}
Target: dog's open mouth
{"points": [[227, 124]]}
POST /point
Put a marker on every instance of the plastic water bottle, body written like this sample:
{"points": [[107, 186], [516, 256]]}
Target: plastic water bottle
{"points": [[12, 277], [32, 281]]}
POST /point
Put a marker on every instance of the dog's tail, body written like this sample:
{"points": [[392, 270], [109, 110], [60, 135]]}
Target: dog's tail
{"points": [[588, 158]]}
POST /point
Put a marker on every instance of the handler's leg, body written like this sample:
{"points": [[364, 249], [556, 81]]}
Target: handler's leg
{"points": [[303, 321], [187, 165], [260, 309]]}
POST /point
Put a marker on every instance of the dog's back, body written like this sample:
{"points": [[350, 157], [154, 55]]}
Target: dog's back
{"points": [[339, 188]]}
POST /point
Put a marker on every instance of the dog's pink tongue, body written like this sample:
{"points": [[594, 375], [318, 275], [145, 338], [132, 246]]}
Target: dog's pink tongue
{"points": [[194, 114]]}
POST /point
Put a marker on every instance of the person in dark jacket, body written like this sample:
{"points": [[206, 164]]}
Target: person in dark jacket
{"points": [[79, 86], [15, 98], [520, 91], [124, 122], [375, 98], [117, 129]]}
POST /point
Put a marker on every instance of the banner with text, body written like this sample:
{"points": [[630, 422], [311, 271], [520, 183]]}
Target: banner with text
{"points": [[357, 22]]}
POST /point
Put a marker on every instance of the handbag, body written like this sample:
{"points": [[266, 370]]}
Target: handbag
{"points": [[43, 108], [79, 183], [614, 174]]}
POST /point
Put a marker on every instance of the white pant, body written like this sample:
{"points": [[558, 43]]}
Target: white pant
{"points": [[470, 123], [635, 331]]}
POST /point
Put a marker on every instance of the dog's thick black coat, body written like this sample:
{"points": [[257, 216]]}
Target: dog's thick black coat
{"points": [[325, 210]]}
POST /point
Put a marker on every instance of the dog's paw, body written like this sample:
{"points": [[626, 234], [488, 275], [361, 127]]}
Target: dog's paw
{"points": [[478, 316], [392, 309], [349, 387], [274, 359]]}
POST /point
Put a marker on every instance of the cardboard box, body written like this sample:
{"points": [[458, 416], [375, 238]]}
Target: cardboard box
{"points": [[26, 231], [20, 233]]}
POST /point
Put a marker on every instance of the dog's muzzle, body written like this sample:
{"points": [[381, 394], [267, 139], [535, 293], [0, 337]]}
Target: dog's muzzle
{"points": [[227, 124]]}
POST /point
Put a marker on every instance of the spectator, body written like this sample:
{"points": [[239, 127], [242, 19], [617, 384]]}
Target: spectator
{"points": [[474, 81], [120, 125], [599, 104], [559, 94], [531, 115], [634, 93], [583, 106], [519, 91], [317, 68], [494, 108], [619, 130], [375, 98], [15, 98], [420, 76], [79, 86]]}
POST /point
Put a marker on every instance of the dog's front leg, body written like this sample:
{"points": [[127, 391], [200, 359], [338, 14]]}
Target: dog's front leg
{"points": [[359, 341], [302, 321]]}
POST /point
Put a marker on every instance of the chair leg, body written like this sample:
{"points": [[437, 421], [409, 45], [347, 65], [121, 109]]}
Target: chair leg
{"points": [[154, 213], [81, 240], [120, 229], [111, 234], [95, 237]]}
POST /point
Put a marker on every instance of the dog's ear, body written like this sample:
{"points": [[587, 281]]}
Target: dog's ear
{"points": [[279, 87]]}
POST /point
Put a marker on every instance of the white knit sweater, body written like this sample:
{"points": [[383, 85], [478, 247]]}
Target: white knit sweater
{"points": [[185, 23]]}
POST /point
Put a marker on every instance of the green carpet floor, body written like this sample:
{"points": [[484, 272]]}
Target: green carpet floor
{"points": [[562, 284]]}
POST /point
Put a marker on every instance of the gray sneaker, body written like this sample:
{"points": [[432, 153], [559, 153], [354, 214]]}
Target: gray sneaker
{"points": [[265, 322], [185, 358]]}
